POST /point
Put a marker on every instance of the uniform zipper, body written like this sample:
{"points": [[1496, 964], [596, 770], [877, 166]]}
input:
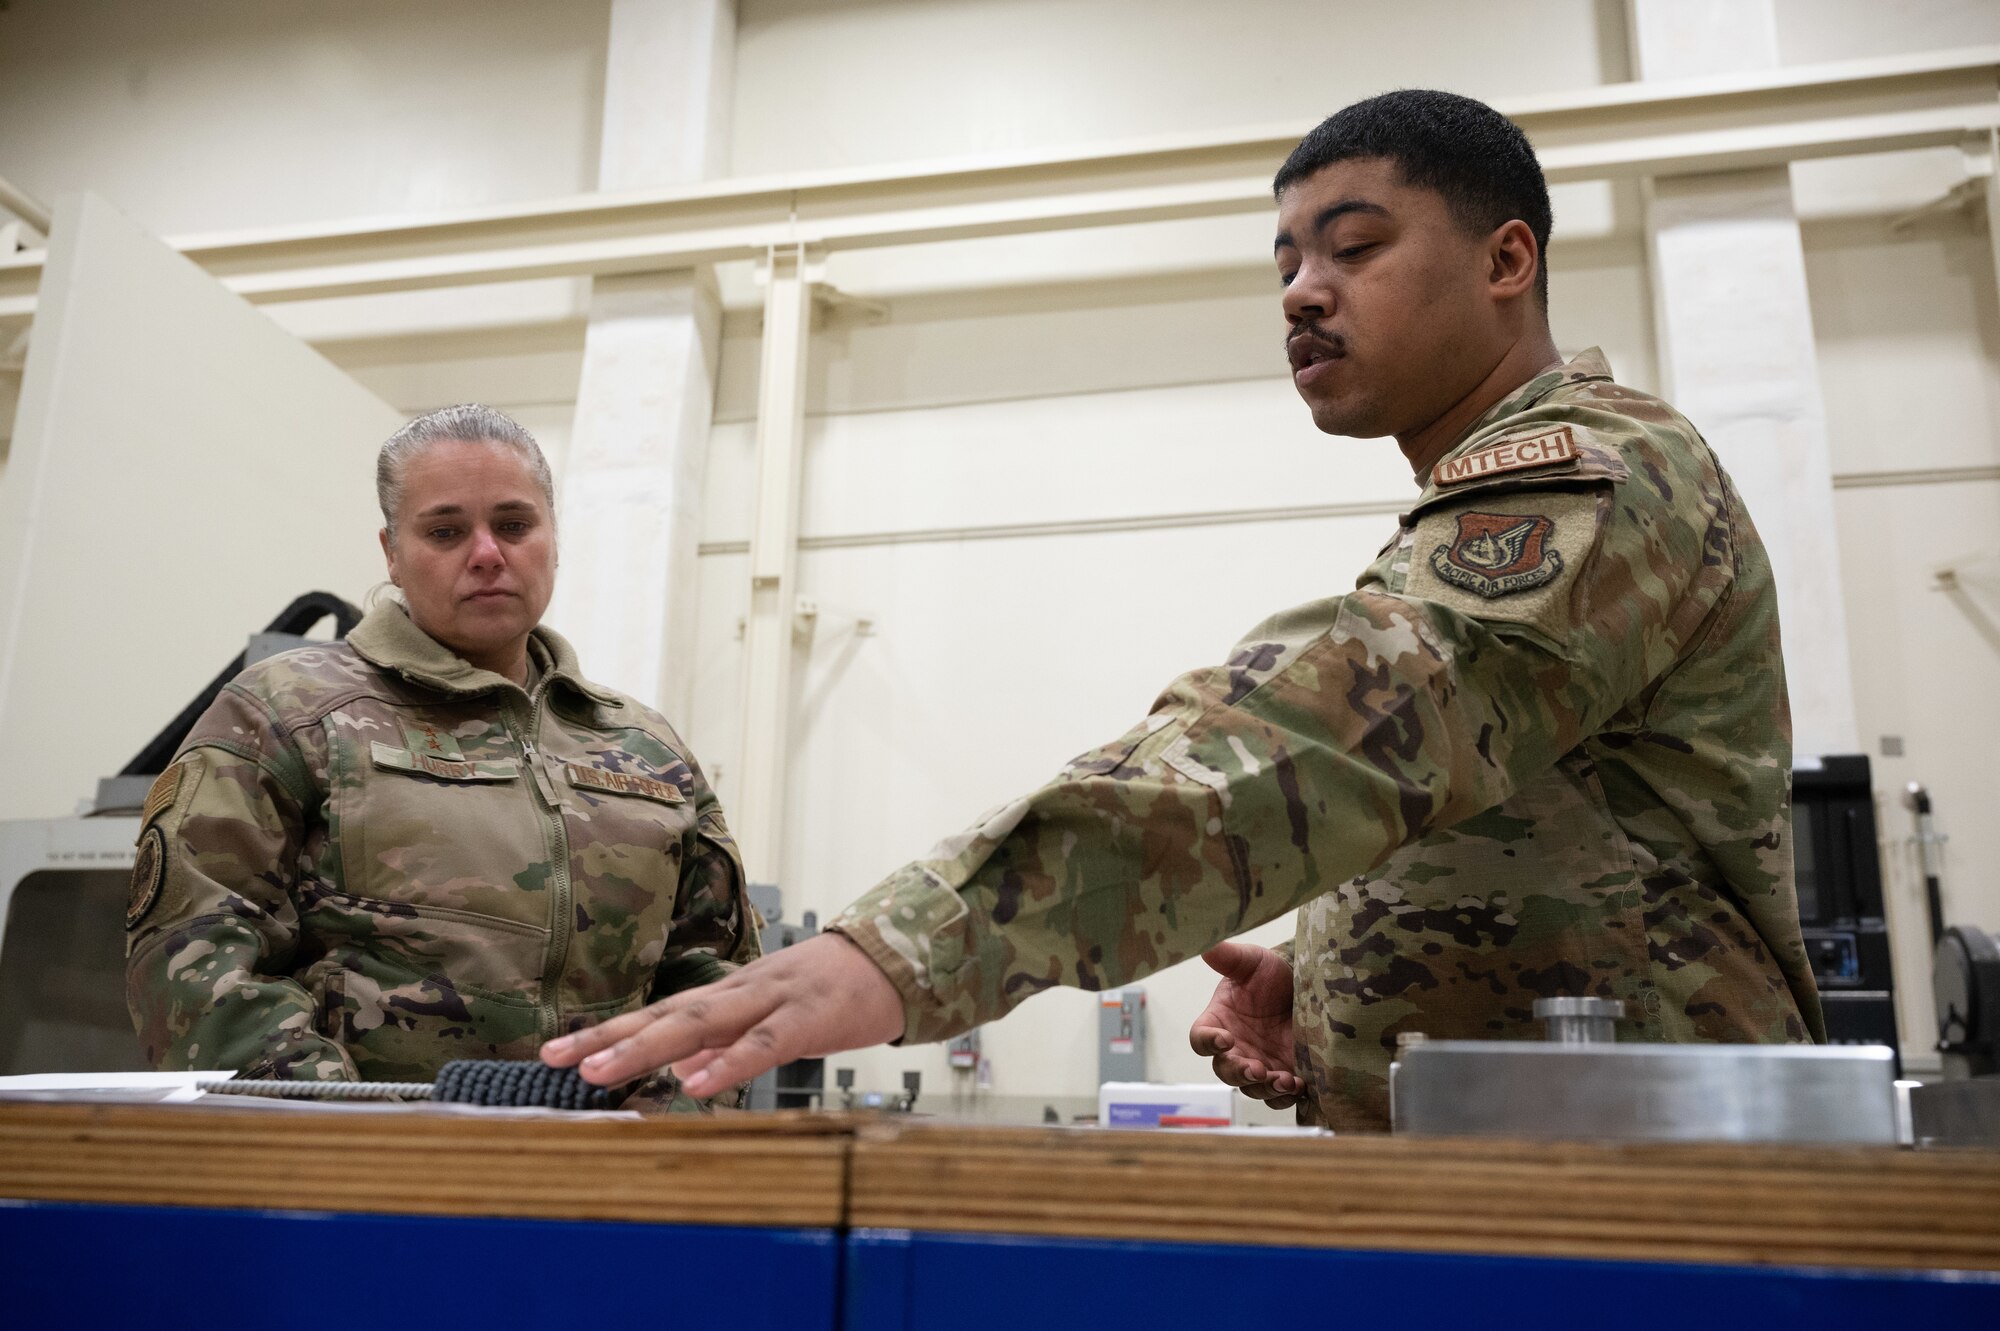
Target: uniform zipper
{"points": [[559, 882]]}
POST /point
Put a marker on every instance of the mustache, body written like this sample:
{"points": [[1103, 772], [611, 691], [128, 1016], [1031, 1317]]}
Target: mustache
{"points": [[1334, 343]]}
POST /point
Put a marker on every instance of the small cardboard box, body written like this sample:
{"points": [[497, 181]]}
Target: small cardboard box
{"points": [[1145, 1104]]}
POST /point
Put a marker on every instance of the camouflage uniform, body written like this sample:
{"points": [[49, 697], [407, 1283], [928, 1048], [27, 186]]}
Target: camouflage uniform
{"points": [[1542, 748], [370, 858]]}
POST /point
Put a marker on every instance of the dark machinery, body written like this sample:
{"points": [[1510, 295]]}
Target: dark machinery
{"points": [[801, 1083], [1965, 966], [1840, 899], [1964, 1108], [1966, 982], [280, 635]]}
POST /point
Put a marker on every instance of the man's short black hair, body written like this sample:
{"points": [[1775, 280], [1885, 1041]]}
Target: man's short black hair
{"points": [[1478, 159]]}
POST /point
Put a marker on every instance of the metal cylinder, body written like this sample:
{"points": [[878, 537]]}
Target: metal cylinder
{"points": [[1580, 1020], [320, 1090]]}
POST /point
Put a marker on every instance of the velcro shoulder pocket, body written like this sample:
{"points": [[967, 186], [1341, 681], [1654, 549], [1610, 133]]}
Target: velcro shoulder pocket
{"points": [[443, 769]]}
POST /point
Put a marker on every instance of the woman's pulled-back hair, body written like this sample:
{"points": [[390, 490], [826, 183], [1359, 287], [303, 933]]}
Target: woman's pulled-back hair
{"points": [[469, 422]]}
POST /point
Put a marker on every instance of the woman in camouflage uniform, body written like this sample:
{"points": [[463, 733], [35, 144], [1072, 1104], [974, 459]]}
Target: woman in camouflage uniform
{"points": [[436, 839]]}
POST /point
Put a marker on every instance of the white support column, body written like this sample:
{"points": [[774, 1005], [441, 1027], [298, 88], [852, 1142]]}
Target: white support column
{"points": [[632, 479], [1982, 163], [769, 643], [1738, 357]]}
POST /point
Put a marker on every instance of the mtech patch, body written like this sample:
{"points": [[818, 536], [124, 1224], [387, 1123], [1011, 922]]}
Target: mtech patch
{"points": [[1545, 449]]}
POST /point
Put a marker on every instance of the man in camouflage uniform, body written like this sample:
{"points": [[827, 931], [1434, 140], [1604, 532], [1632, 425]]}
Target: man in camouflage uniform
{"points": [[372, 857], [1541, 749]]}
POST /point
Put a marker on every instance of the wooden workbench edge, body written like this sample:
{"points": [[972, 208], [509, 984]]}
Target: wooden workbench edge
{"points": [[1871, 1207], [1864, 1207]]}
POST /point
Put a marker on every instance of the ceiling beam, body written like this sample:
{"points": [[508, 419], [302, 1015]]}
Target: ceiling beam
{"points": [[1618, 131]]}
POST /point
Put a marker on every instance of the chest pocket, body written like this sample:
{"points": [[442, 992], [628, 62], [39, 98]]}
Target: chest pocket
{"points": [[442, 836], [629, 834], [626, 831]]}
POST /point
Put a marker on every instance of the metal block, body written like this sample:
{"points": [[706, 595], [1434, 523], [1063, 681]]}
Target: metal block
{"points": [[1956, 1113], [1646, 1092], [120, 794]]}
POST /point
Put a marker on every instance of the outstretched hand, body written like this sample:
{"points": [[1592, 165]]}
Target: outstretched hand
{"points": [[1246, 1029], [818, 997]]}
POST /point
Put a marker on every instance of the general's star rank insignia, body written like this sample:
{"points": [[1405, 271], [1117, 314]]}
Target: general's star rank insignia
{"points": [[1495, 554]]}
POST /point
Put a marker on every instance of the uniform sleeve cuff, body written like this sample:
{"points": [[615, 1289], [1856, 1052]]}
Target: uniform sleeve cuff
{"points": [[910, 926]]}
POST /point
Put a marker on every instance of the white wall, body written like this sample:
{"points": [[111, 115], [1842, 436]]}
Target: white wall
{"points": [[1099, 380], [1812, 31], [225, 114], [821, 84], [1909, 340], [205, 115]]}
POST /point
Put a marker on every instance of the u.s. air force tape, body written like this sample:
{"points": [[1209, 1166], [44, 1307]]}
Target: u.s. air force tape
{"points": [[149, 869]]}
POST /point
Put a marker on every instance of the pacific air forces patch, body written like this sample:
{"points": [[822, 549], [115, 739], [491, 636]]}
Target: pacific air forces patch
{"points": [[1497, 554], [149, 870]]}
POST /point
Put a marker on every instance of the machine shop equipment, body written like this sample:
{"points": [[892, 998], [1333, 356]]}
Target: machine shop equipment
{"points": [[63, 883], [904, 1102], [126, 791], [1576, 1083], [1121, 1035], [801, 1083], [962, 1052], [1966, 980], [1839, 876], [1964, 1108]]}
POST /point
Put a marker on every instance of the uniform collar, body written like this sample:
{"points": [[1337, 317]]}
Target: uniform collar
{"points": [[1584, 367], [389, 638]]}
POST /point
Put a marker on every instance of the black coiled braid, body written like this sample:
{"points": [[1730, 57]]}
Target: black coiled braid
{"points": [[481, 1081]]}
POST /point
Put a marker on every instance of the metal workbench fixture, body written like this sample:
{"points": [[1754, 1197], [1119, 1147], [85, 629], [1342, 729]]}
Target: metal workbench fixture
{"points": [[1580, 1020], [1965, 981], [1579, 1083]]}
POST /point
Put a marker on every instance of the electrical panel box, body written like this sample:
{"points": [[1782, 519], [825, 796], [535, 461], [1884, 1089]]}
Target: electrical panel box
{"points": [[963, 1051], [1121, 1035]]}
